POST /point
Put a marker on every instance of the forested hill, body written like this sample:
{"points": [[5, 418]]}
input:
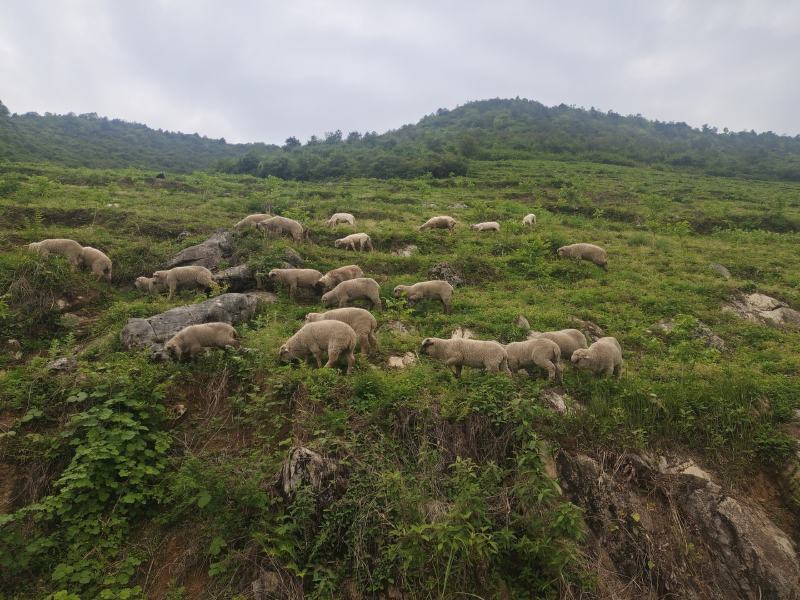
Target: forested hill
{"points": [[448, 140], [98, 142]]}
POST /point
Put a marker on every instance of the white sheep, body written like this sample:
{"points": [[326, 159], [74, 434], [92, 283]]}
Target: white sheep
{"points": [[362, 322], [69, 249], [336, 276], [251, 220], [281, 225], [332, 337], [194, 339], [440, 222], [355, 241], [568, 340], [337, 218], [295, 278], [459, 352], [541, 352], [590, 252], [146, 284], [181, 277], [486, 226], [529, 220], [97, 261], [604, 357], [354, 289], [427, 290]]}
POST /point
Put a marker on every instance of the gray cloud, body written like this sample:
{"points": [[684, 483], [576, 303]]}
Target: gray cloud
{"points": [[259, 71]]}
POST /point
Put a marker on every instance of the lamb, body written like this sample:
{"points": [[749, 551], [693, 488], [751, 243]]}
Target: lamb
{"points": [[294, 278], [568, 340], [282, 225], [69, 249], [458, 352], [337, 218], [193, 339], [433, 290], [251, 221], [440, 222], [487, 226], [362, 240], [604, 357], [540, 352], [589, 252], [179, 277], [529, 220], [362, 322], [97, 261], [336, 276], [333, 337], [354, 289], [146, 284]]}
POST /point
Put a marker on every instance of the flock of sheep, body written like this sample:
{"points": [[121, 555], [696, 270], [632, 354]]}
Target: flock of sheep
{"points": [[339, 332]]}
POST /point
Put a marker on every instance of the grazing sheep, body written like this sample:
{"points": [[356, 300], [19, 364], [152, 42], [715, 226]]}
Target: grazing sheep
{"points": [[251, 220], [146, 284], [97, 261], [529, 220], [69, 249], [427, 290], [181, 277], [354, 289], [362, 240], [294, 278], [604, 357], [337, 218], [487, 226], [459, 352], [336, 276], [441, 222], [589, 252], [193, 339], [541, 352], [282, 225], [362, 322], [332, 337], [568, 340]]}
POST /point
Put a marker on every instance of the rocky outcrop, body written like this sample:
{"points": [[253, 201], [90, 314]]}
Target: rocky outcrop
{"points": [[240, 278], [700, 331], [760, 308], [207, 254]]}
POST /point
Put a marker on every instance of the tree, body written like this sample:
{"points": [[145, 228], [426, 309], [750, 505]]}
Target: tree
{"points": [[3, 110], [291, 143], [353, 136], [333, 137]]}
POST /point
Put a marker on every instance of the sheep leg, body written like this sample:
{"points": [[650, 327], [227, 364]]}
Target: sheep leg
{"points": [[551, 370], [363, 341], [617, 370], [317, 356], [351, 360], [373, 341], [172, 286], [608, 371], [448, 307], [333, 356]]}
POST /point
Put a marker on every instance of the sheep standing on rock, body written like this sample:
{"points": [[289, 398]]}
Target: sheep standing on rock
{"points": [[487, 226], [427, 290], [251, 220], [604, 357], [459, 352], [192, 340], [69, 249], [362, 322], [295, 278], [541, 352], [590, 252], [337, 218], [568, 340], [336, 276], [281, 225], [529, 220], [182, 277], [332, 337], [146, 284], [440, 222], [354, 289], [362, 240], [97, 261]]}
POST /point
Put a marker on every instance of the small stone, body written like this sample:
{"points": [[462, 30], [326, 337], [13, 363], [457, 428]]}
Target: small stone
{"points": [[458, 205], [463, 333], [183, 235], [180, 410], [13, 345], [522, 322], [401, 362], [398, 327], [720, 270], [554, 400], [405, 251], [65, 364]]}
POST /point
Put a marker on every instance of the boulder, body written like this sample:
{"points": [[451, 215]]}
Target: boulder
{"points": [[760, 308], [405, 251], [720, 270], [206, 254], [293, 258], [591, 330], [154, 331], [463, 333], [183, 235], [522, 323], [554, 400], [401, 362], [445, 271], [239, 278], [65, 364]]}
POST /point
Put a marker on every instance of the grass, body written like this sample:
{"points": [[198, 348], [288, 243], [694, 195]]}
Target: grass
{"points": [[438, 476]]}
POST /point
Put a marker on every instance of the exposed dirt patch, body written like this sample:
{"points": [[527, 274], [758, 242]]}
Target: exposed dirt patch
{"points": [[178, 563]]}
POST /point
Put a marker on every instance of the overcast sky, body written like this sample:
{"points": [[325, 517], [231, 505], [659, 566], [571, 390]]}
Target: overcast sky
{"points": [[262, 71]]}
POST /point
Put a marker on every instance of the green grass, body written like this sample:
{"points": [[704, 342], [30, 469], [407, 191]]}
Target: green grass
{"points": [[442, 488]]}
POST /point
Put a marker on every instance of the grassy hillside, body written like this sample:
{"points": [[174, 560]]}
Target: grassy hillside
{"points": [[443, 487], [98, 142]]}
